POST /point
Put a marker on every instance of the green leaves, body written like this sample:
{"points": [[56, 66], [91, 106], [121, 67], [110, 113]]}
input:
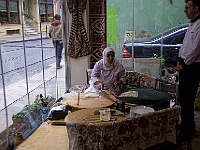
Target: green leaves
{"points": [[37, 104], [161, 58]]}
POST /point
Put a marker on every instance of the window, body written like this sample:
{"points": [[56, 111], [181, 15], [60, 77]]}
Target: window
{"points": [[46, 10]]}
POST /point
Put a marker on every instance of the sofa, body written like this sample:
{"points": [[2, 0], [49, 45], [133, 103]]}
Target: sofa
{"points": [[133, 79], [140, 132]]}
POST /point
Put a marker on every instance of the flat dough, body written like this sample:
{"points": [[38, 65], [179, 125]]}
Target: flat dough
{"points": [[129, 94], [92, 95]]}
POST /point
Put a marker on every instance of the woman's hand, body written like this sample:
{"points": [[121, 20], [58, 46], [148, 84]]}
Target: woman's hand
{"points": [[99, 85]]}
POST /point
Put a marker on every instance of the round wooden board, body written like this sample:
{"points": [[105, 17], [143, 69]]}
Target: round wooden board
{"points": [[104, 100], [88, 116]]}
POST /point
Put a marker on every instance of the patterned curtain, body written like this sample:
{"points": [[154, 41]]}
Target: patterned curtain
{"points": [[78, 41], [97, 29]]}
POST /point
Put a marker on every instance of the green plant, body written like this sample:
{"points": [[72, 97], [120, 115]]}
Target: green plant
{"points": [[161, 58], [42, 101], [38, 103], [19, 114]]}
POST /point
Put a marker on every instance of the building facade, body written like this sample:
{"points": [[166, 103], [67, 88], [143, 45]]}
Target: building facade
{"points": [[12, 11]]}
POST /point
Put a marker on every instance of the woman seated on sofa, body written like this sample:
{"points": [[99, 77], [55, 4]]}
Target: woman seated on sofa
{"points": [[107, 73]]}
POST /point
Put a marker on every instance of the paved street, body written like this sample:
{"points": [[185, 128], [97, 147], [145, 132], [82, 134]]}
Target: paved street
{"points": [[16, 93]]}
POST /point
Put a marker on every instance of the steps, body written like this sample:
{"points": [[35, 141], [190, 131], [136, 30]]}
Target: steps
{"points": [[30, 30]]}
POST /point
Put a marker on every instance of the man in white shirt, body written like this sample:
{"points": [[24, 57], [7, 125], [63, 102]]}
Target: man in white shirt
{"points": [[188, 65]]}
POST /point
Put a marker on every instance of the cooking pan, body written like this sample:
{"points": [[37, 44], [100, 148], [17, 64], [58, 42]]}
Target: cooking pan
{"points": [[157, 99]]}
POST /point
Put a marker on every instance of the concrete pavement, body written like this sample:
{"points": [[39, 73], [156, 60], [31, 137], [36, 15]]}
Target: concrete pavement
{"points": [[17, 37]]}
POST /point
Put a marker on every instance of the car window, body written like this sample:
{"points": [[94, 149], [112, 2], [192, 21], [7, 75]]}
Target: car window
{"points": [[170, 34], [179, 38]]}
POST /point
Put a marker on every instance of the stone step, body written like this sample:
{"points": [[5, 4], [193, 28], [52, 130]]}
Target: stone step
{"points": [[30, 30]]}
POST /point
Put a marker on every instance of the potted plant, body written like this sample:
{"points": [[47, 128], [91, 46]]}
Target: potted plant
{"points": [[34, 109], [9, 133], [17, 118]]}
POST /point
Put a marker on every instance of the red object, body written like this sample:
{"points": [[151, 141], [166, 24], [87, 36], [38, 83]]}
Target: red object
{"points": [[125, 53]]}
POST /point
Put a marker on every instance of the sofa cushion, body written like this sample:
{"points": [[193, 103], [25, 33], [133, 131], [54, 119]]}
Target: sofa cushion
{"points": [[133, 79]]}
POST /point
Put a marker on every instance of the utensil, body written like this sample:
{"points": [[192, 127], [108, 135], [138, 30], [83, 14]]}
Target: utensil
{"points": [[107, 92], [78, 98]]}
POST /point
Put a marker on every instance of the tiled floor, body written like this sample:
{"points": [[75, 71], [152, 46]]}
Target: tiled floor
{"points": [[194, 144]]}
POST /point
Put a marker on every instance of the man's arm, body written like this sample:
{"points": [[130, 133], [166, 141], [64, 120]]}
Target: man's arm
{"points": [[50, 30]]}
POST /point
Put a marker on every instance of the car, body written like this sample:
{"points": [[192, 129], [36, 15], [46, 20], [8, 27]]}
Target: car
{"points": [[169, 42]]}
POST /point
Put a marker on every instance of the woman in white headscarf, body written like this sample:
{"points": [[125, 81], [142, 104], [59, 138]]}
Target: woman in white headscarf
{"points": [[107, 73]]}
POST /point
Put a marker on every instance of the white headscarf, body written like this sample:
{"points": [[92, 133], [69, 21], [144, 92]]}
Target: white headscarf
{"points": [[106, 65]]}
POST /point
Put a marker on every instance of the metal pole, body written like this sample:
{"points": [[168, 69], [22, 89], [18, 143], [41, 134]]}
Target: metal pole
{"points": [[65, 23], [46, 30], [161, 49], [4, 95], [25, 62], [43, 72], [133, 39]]}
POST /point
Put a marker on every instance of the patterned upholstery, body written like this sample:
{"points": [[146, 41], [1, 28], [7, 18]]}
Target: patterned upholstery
{"points": [[138, 79], [138, 132], [133, 79]]}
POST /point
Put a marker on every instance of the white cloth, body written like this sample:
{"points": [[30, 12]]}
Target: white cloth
{"points": [[190, 50]]}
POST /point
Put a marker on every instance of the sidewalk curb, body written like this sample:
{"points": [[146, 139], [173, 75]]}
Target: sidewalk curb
{"points": [[15, 39]]}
